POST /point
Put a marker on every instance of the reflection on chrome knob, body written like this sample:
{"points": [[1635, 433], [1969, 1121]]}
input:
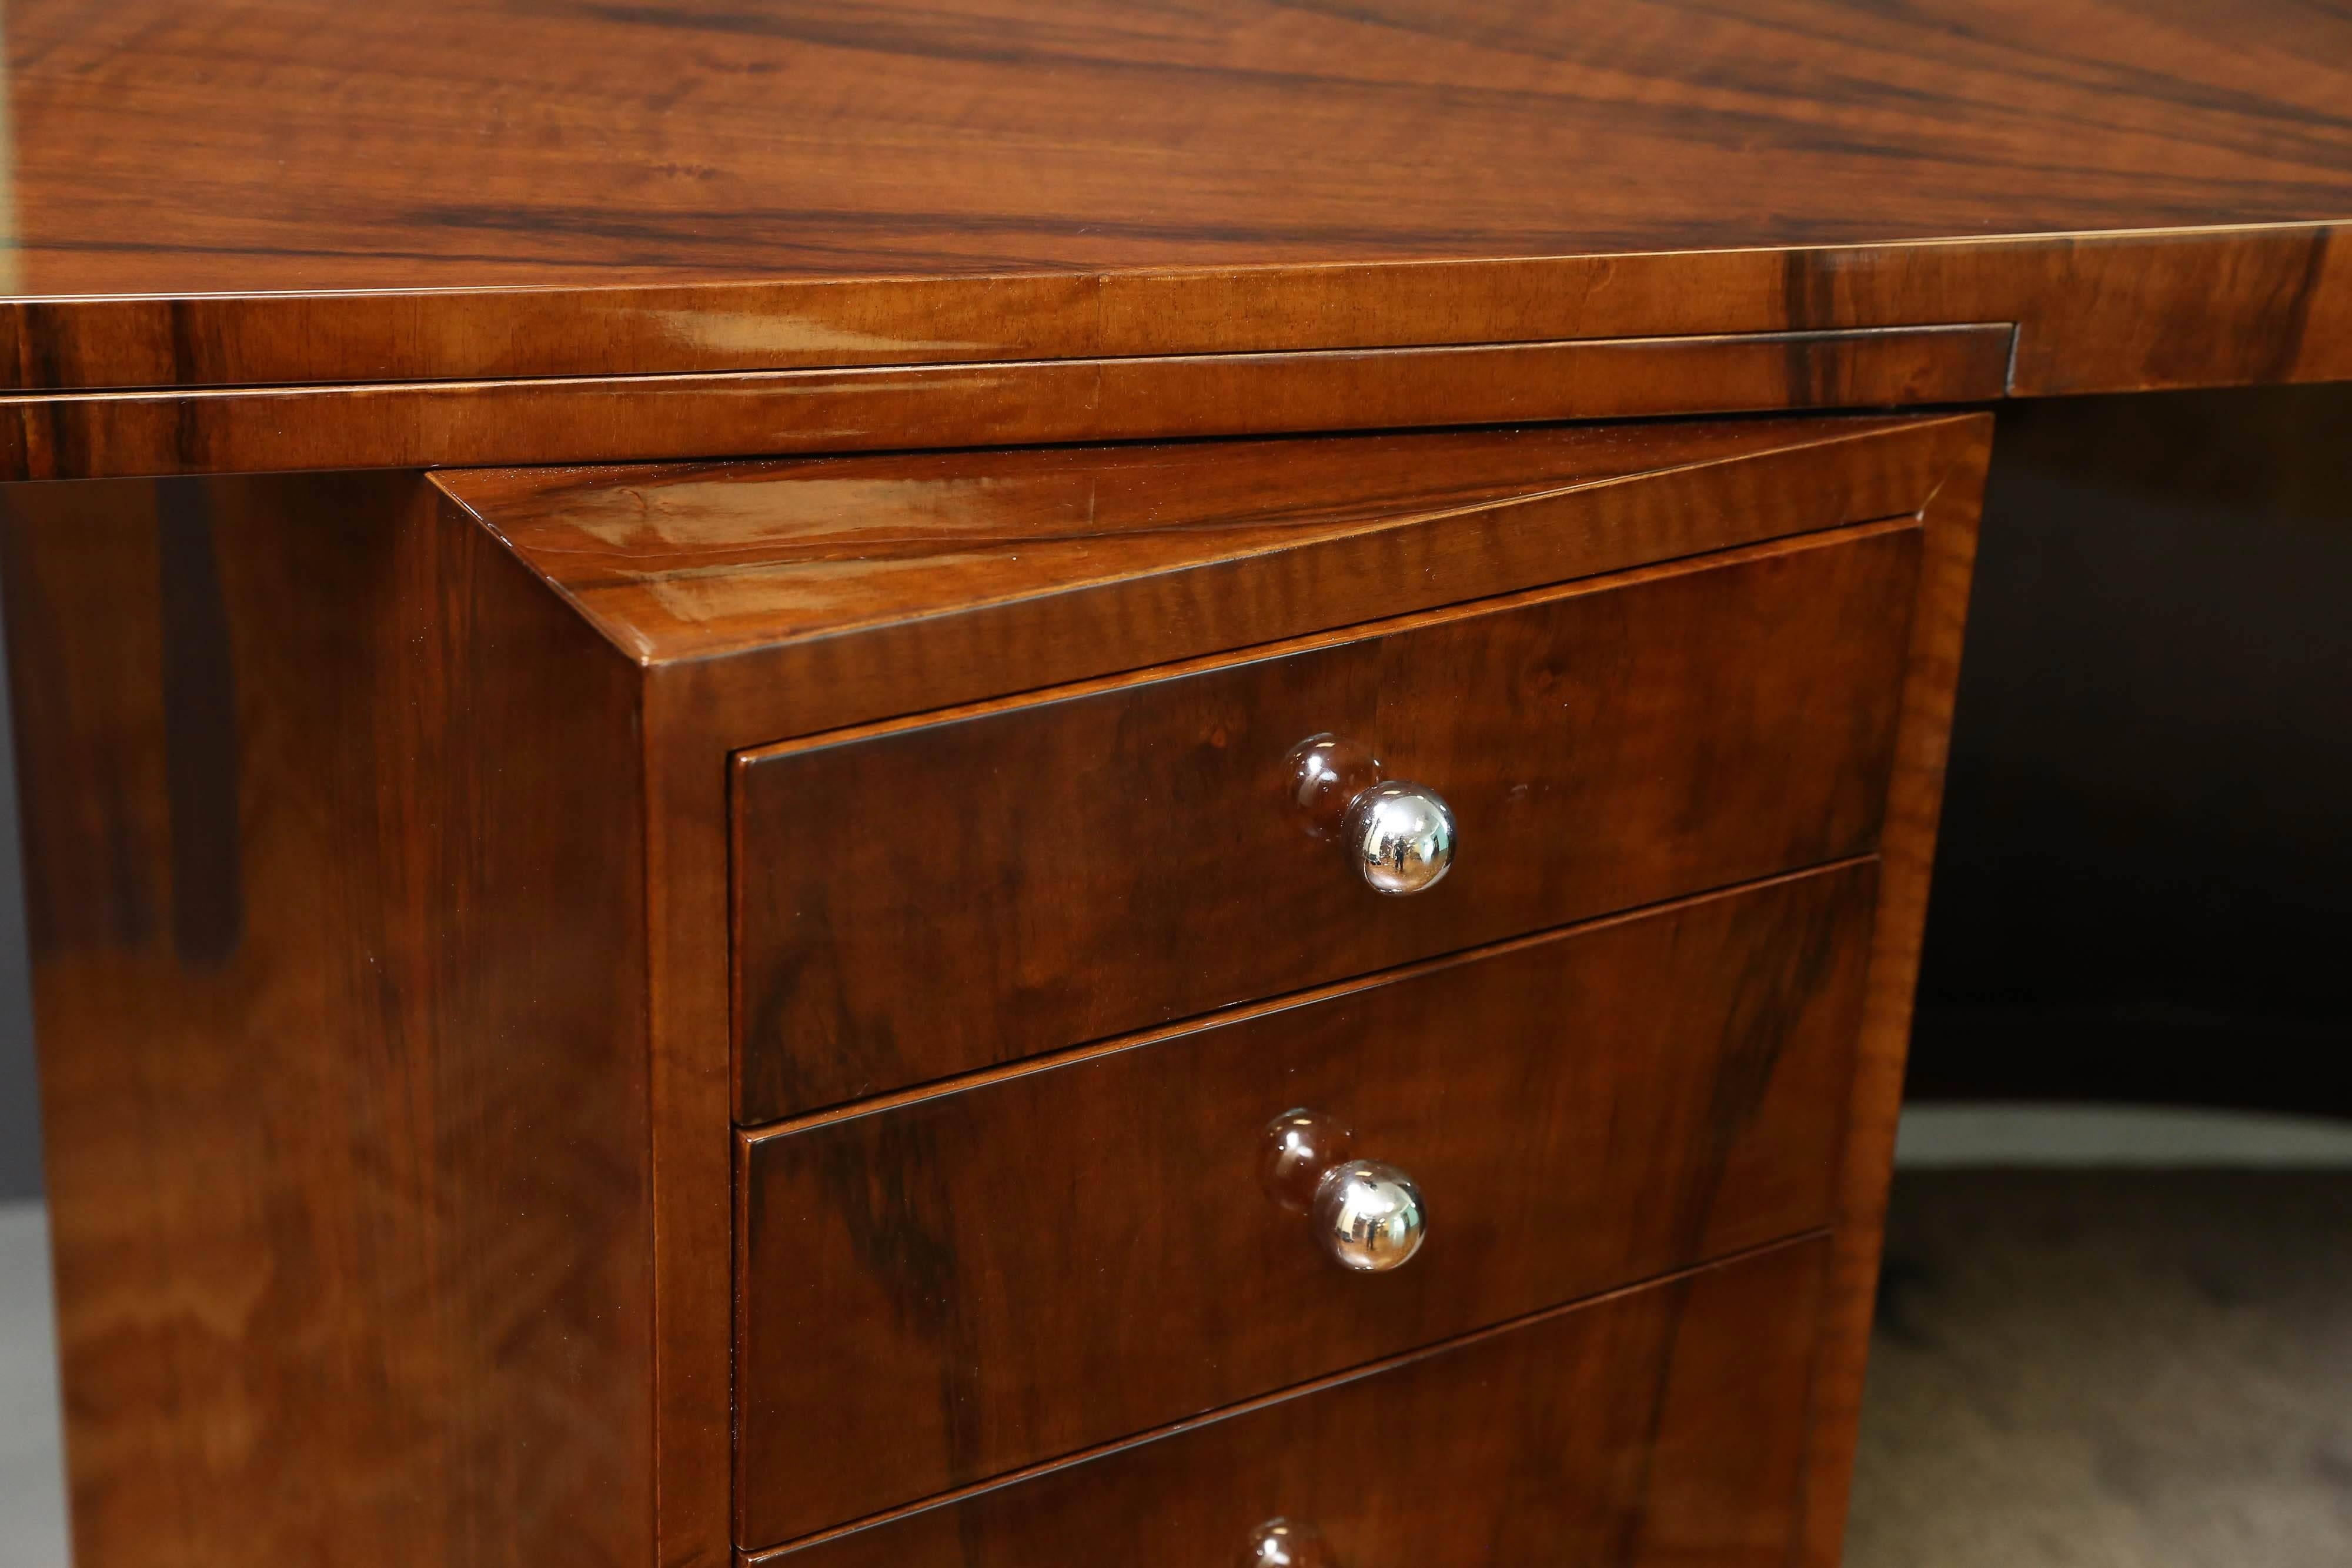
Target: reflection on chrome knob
{"points": [[1283, 1543], [1296, 1149], [1368, 1215], [1401, 836]]}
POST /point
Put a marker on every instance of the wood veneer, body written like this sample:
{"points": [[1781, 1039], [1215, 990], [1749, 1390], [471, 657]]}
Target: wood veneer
{"points": [[369, 1059], [302, 190], [302, 1027], [1914, 795], [1662, 1426], [518, 145], [1170, 549], [1298, 536], [337, 927], [996, 884], [1150, 554], [1054, 1259], [571, 420]]}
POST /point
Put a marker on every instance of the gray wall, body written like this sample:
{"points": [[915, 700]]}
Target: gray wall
{"points": [[20, 1118]]}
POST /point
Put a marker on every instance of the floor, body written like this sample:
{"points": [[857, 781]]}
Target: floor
{"points": [[2107, 1340], [32, 1482], [2104, 1368]]}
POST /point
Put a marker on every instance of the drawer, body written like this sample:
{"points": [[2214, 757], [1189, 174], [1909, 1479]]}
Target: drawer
{"points": [[922, 899], [950, 1287], [1661, 1427]]}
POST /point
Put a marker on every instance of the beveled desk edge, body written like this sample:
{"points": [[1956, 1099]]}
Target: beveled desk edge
{"points": [[365, 381], [2083, 330]]}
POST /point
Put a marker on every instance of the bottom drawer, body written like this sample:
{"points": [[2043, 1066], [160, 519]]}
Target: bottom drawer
{"points": [[1659, 1426]]}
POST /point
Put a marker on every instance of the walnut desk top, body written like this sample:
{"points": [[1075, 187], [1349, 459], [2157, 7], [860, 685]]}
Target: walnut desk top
{"points": [[653, 231]]}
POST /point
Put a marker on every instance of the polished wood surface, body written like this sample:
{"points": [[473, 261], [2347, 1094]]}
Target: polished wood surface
{"points": [[526, 190], [334, 873], [692, 1088], [1915, 794], [382, 902], [1683, 488], [1660, 1426], [573, 421], [903, 584], [2094, 312], [684, 560], [368, 698], [244, 147], [984, 1279], [961, 890]]}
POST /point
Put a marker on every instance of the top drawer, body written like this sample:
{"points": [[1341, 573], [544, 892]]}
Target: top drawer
{"points": [[920, 899]]}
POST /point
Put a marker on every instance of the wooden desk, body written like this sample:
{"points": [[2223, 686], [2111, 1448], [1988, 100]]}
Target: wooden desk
{"points": [[723, 1003]]}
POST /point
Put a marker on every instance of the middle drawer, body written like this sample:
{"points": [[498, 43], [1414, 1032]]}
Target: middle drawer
{"points": [[948, 1286]]}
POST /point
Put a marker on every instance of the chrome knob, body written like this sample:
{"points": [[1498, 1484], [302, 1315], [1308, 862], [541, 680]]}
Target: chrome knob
{"points": [[1283, 1543], [1369, 1217], [1399, 834]]}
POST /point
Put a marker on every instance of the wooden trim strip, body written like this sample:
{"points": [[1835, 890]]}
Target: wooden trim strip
{"points": [[1907, 853], [458, 423], [2107, 310]]}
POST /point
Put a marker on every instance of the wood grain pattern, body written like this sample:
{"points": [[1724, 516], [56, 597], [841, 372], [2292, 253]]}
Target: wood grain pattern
{"points": [[616, 188], [608, 420], [1766, 478], [1658, 1426], [981, 1280], [692, 1089], [1026, 877], [1913, 802], [1138, 546], [936, 656], [338, 970], [320, 580], [306, 146], [2100, 311]]}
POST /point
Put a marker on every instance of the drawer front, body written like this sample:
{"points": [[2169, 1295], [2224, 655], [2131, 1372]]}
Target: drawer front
{"points": [[935, 898], [954, 1286], [1664, 1427]]}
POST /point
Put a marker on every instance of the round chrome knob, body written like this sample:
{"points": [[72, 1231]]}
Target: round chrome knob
{"points": [[1368, 1215], [1282, 1543], [1401, 836]]}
